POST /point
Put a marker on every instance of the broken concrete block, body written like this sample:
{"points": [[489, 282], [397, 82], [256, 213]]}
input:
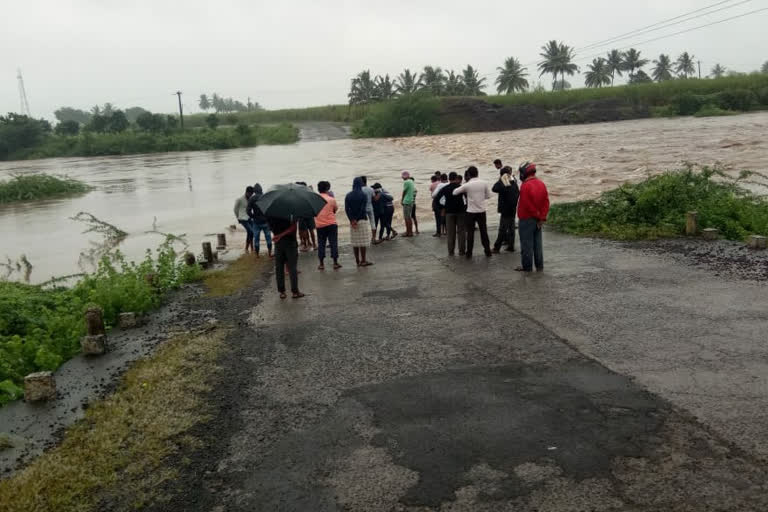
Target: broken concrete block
{"points": [[710, 233], [756, 242], [39, 386], [128, 320], [93, 345]]}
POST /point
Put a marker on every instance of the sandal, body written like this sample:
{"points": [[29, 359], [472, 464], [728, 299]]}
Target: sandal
{"points": [[321, 267], [298, 295], [283, 295], [366, 264], [336, 266]]}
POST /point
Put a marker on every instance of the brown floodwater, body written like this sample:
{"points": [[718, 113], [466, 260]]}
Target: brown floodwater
{"points": [[193, 193]]}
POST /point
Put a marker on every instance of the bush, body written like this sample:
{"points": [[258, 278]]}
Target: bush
{"points": [[737, 99], [414, 114], [39, 186], [41, 328], [713, 111], [67, 128], [762, 96], [657, 207], [212, 121], [687, 104]]}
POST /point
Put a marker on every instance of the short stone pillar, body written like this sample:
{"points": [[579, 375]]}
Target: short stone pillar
{"points": [[710, 233], [757, 242], [39, 386], [691, 223], [95, 340], [189, 259], [221, 241], [128, 320], [207, 252]]}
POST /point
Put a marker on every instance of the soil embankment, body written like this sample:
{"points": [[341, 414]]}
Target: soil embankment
{"points": [[472, 115]]}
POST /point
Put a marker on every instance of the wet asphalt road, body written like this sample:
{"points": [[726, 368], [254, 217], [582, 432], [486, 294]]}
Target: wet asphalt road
{"points": [[615, 380]]}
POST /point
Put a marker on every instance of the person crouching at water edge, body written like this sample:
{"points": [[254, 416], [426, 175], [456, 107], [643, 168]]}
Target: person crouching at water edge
{"points": [[356, 207], [286, 254], [241, 214], [532, 210], [327, 228]]}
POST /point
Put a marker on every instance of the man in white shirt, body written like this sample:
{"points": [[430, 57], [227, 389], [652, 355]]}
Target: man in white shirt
{"points": [[478, 193]]}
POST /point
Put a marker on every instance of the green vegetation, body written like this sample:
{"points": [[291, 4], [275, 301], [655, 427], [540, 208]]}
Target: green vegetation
{"points": [[415, 114], [118, 453], [40, 327], [331, 113], [27, 187], [657, 208], [238, 275]]}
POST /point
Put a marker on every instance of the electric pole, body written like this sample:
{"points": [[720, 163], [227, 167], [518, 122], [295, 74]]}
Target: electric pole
{"points": [[181, 110], [22, 95], [699, 63]]}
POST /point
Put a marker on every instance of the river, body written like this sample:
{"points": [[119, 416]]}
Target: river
{"points": [[193, 193]]}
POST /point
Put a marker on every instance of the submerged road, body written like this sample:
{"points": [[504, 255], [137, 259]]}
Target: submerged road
{"points": [[615, 380]]}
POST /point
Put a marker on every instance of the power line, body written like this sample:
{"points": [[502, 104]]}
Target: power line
{"points": [[663, 22]]}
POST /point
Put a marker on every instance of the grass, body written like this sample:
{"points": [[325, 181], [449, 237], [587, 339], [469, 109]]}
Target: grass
{"points": [[238, 275], [713, 111], [333, 113], [131, 142], [116, 454], [5, 442], [657, 208], [28, 187]]}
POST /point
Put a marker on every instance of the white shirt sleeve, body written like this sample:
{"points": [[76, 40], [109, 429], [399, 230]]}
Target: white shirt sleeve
{"points": [[460, 190]]}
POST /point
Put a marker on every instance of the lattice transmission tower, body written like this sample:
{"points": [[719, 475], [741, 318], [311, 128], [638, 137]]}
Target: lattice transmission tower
{"points": [[23, 95]]}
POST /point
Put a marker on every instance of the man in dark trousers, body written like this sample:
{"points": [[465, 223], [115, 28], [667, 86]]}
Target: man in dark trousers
{"points": [[453, 211], [532, 210], [478, 192], [508, 193]]}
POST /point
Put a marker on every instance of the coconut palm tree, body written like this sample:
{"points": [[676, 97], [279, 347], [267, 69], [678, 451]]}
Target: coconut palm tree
{"points": [[718, 71], [557, 60], [614, 61], [764, 69], [633, 61], [384, 88], [433, 79], [597, 74], [204, 103], [407, 82], [662, 68], [453, 86], [362, 90], [473, 84], [684, 66], [511, 77]]}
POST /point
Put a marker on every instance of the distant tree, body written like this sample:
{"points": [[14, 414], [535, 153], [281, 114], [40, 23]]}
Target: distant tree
{"points": [[433, 79], [239, 106], [231, 119], [217, 103], [407, 82], [718, 71], [204, 103], [96, 110], [685, 66], [243, 129], [133, 113], [557, 59], [633, 61], [561, 85], [764, 69], [614, 61], [662, 68], [511, 77], [641, 77], [384, 88], [452, 85], [473, 84], [69, 127], [150, 122], [212, 121], [98, 123], [107, 109], [117, 122], [597, 74], [72, 114], [20, 132], [171, 122], [362, 90]]}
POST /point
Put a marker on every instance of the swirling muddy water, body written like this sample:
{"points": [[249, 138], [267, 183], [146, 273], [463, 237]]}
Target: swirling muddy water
{"points": [[193, 193]]}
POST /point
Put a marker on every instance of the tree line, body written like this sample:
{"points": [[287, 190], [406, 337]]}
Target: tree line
{"points": [[219, 104], [557, 60]]}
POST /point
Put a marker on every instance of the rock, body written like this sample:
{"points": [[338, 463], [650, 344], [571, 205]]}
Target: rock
{"points": [[710, 233], [39, 386], [757, 242], [189, 259], [128, 320], [94, 345]]}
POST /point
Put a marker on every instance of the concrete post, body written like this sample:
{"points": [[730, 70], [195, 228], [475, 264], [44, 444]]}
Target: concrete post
{"points": [[95, 340], [189, 259], [710, 233], [128, 320], [691, 223], [221, 241], [757, 242], [39, 386], [207, 252]]}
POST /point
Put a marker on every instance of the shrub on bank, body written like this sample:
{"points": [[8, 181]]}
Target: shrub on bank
{"points": [[414, 114], [40, 328], [657, 207], [39, 186]]}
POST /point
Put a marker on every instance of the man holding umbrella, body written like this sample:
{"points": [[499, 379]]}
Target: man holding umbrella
{"points": [[283, 206]]}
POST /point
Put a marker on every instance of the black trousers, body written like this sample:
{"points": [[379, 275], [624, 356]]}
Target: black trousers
{"points": [[482, 224], [287, 253], [506, 233]]}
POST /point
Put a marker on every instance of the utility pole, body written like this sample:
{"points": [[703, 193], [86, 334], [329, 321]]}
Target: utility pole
{"points": [[181, 110], [699, 63], [22, 95]]}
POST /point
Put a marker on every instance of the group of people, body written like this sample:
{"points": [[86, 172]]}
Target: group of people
{"points": [[458, 203]]}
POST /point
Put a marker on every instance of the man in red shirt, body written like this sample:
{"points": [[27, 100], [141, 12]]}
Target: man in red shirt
{"points": [[532, 210]]}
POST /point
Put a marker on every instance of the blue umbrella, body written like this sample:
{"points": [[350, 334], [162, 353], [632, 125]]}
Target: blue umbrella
{"points": [[291, 202]]}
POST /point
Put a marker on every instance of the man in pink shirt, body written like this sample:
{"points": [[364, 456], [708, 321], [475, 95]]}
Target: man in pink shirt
{"points": [[327, 228]]}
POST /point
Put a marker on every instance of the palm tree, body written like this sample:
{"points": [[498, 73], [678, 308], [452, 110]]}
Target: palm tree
{"points": [[614, 61], [407, 82], [433, 79], [362, 90], [473, 84], [764, 69], [662, 68], [558, 60], [383, 88], [511, 77], [598, 74], [718, 71], [684, 66], [204, 103], [632, 61], [453, 86]]}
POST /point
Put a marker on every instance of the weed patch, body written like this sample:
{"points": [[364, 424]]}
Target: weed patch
{"points": [[238, 275], [28, 187]]}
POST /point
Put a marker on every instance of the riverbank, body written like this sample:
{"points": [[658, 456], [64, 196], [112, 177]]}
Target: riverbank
{"points": [[39, 186]]}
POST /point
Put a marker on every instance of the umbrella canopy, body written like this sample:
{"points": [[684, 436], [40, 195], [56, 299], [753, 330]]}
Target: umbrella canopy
{"points": [[290, 202]]}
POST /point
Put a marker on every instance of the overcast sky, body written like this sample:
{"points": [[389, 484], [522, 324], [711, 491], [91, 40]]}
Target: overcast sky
{"points": [[304, 52]]}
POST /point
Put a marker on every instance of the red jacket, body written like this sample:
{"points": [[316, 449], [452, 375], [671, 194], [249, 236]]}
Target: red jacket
{"points": [[534, 200]]}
